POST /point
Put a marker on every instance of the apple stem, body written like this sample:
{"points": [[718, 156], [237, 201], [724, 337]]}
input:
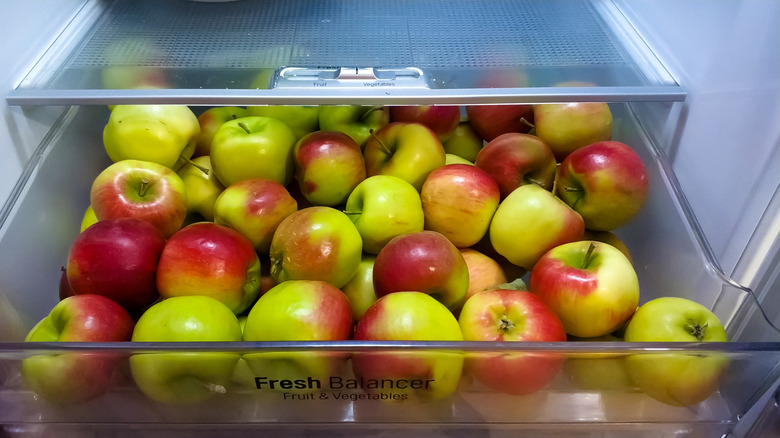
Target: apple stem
{"points": [[505, 324], [381, 145], [525, 122], [572, 189], [695, 329], [369, 111], [203, 169], [351, 211], [588, 256], [144, 186], [555, 179], [244, 127]]}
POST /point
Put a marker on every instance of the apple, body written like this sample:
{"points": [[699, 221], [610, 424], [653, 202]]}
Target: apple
{"points": [[88, 218], [591, 286], [464, 142], [360, 289], [503, 315], [255, 207], [316, 243], [210, 121], [409, 151], [458, 201], [329, 165], [131, 63], [598, 371], [201, 185], [298, 310], [253, 147], [300, 119], [515, 159], [484, 272], [565, 127], [441, 119], [354, 120], [409, 316], [454, 159], [529, 222], [490, 121], [163, 134], [426, 262], [143, 190], [605, 182], [383, 207], [185, 377], [74, 377], [212, 260], [117, 258], [677, 379]]}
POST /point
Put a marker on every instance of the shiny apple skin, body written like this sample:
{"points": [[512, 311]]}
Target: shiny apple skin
{"points": [[515, 159], [606, 183], [591, 300], [210, 260], [328, 166], [459, 201], [424, 262], [441, 119], [316, 243], [117, 258]]}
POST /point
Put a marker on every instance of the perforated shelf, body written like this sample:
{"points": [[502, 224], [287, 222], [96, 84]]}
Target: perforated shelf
{"points": [[466, 50]]}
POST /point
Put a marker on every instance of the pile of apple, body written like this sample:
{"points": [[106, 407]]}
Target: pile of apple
{"points": [[283, 223]]}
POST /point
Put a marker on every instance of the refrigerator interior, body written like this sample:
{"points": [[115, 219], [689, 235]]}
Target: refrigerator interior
{"points": [[658, 101]]}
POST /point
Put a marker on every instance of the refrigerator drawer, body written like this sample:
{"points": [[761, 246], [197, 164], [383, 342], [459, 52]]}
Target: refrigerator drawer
{"points": [[311, 385]]}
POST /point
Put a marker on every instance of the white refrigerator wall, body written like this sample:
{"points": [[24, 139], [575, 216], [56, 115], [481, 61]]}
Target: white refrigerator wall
{"points": [[726, 149]]}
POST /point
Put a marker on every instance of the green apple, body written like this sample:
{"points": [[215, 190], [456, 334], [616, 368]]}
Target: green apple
{"points": [[464, 142], [454, 159], [354, 120], [410, 151], [566, 127], [678, 379], [253, 147], [302, 120], [192, 376], [163, 134], [531, 221], [598, 371], [89, 218], [383, 207], [360, 289], [210, 121], [201, 185]]}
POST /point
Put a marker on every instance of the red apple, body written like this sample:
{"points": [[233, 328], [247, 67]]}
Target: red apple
{"points": [[605, 182], [490, 121], [142, 190], [591, 286], [316, 243], [77, 376], [441, 119], [458, 201], [328, 166], [503, 315], [254, 207], [515, 159], [408, 316], [211, 260], [117, 258], [409, 151], [424, 262]]}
